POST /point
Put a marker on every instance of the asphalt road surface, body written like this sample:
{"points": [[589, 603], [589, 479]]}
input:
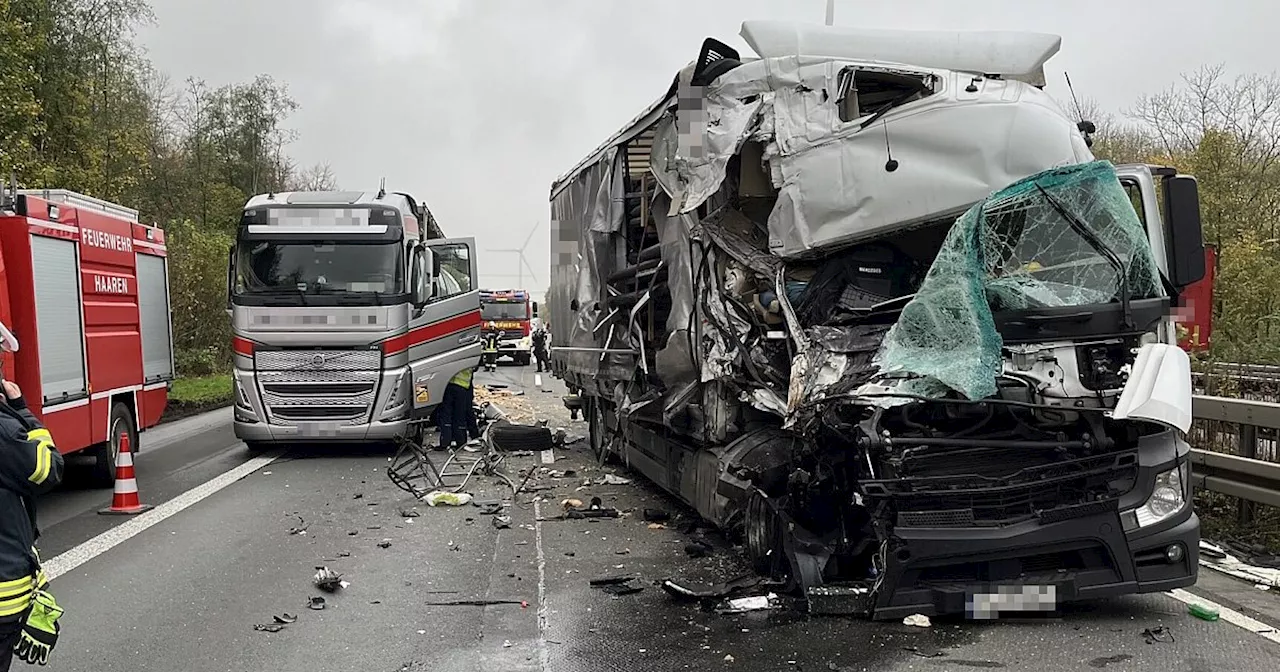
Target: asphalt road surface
{"points": [[182, 587]]}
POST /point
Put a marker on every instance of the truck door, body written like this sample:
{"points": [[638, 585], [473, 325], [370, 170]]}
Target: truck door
{"points": [[1140, 185], [449, 322]]}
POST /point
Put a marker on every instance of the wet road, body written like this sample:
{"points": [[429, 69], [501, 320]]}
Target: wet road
{"points": [[181, 588]]}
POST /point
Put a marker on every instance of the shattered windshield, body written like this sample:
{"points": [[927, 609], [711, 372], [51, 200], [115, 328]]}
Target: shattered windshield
{"points": [[1064, 237]]}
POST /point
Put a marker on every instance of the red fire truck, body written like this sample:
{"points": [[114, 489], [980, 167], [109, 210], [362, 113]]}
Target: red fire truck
{"points": [[510, 311], [84, 287]]}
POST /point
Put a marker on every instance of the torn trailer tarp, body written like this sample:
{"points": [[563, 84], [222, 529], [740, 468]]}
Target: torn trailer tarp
{"points": [[1063, 237]]}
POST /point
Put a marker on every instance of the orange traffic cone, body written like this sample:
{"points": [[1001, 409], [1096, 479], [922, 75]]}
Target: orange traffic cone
{"points": [[125, 501]]}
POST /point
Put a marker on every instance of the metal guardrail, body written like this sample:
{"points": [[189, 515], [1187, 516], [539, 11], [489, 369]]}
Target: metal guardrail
{"points": [[1241, 474]]}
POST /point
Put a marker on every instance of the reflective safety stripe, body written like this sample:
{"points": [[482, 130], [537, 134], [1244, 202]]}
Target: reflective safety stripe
{"points": [[16, 595], [462, 378], [44, 460]]}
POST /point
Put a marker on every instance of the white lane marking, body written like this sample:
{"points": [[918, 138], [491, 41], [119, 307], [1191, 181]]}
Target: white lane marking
{"points": [[537, 380], [544, 658], [548, 457], [1229, 615], [119, 534]]}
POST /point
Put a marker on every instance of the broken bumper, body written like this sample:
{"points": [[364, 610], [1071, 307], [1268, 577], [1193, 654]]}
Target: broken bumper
{"points": [[1086, 558], [312, 432]]}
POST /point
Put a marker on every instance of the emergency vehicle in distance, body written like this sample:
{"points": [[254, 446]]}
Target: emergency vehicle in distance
{"points": [[85, 287], [350, 313], [510, 311]]}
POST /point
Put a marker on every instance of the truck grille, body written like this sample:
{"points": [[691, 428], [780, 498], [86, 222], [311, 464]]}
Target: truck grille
{"points": [[1049, 492], [318, 385]]}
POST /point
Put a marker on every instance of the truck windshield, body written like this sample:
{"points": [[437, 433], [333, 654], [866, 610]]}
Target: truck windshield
{"points": [[320, 268], [503, 311]]}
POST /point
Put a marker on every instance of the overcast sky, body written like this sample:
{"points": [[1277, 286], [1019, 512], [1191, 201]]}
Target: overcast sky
{"points": [[475, 106]]}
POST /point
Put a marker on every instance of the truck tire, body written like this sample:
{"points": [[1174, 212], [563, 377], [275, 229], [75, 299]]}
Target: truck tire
{"points": [[520, 437], [597, 432], [120, 423], [762, 532], [523, 359]]}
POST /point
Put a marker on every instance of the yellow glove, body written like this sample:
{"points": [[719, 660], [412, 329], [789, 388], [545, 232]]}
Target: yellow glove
{"points": [[40, 633]]}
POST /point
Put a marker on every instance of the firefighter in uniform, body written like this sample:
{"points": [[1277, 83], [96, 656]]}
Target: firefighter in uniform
{"points": [[491, 339], [540, 348], [29, 466]]}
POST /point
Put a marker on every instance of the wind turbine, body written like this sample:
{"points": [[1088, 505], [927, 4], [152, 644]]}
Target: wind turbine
{"points": [[831, 12], [524, 261]]}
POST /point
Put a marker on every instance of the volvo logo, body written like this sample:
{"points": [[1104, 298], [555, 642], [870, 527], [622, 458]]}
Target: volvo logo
{"points": [[317, 360]]}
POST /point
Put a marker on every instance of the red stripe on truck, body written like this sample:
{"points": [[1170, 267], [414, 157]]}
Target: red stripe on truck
{"points": [[431, 332]]}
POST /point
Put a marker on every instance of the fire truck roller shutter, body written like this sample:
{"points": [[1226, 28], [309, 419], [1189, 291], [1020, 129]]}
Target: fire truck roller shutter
{"points": [[59, 322], [153, 311]]}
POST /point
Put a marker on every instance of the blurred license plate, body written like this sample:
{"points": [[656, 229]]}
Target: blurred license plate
{"points": [[1012, 599], [317, 428]]}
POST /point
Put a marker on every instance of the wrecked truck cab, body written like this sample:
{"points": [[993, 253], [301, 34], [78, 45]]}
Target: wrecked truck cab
{"points": [[904, 351]]}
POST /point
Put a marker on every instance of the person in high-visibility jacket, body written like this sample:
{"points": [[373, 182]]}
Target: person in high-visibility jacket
{"points": [[454, 407], [29, 465]]}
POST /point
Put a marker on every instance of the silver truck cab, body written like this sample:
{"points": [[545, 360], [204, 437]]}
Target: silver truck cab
{"points": [[350, 313]]}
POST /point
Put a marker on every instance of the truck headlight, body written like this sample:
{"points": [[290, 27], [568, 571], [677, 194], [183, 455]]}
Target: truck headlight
{"points": [[399, 397], [1168, 497], [244, 409]]}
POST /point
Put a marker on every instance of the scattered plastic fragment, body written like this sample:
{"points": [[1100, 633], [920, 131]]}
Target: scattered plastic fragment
{"points": [[358, 495], [571, 503], [286, 617], [657, 526], [476, 603], [316, 603], [409, 513], [923, 653], [721, 591], [384, 544], [506, 643], [270, 627], [728, 658], [917, 620], [610, 479], [742, 605], [438, 497], [1158, 634], [491, 509], [301, 528], [1104, 661], [1203, 612], [328, 580], [501, 522]]}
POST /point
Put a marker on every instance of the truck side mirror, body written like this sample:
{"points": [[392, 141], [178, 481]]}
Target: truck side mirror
{"points": [[421, 280], [1186, 237], [231, 274]]}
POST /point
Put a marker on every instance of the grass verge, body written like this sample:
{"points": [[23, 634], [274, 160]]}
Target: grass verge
{"points": [[196, 394]]}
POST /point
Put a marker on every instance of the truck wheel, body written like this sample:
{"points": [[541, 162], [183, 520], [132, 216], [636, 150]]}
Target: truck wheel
{"points": [[763, 532], [520, 437], [522, 359], [597, 432], [120, 424]]}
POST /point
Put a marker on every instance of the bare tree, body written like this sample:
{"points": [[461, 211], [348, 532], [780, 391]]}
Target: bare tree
{"points": [[319, 177]]}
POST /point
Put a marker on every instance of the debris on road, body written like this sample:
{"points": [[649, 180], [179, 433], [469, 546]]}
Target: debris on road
{"points": [[409, 513], [328, 580], [316, 603], [719, 591], [572, 503], [385, 543], [285, 618], [490, 508], [1159, 633], [501, 522], [1104, 661], [932, 653], [743, 605], [611, 479], [657, 526], [618, 586], [1203, 612], [439, 497], [698, 548], [476, 603], [268, 627], [918, 621], [656, 515], [301, 528]]}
